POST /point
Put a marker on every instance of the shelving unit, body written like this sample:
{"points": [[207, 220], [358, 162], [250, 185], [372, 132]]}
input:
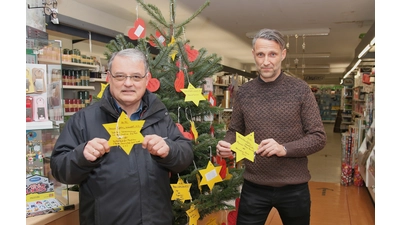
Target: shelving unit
{"points": [[346, 108], [44, 194], [71, 92], [329, 103], [362, 132]]}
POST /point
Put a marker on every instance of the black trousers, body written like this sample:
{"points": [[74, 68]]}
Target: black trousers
{"points": [[256, 201]]}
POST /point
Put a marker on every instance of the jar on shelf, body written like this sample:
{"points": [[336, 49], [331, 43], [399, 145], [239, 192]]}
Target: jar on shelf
{"points": [[84, 59], [77, 55]]}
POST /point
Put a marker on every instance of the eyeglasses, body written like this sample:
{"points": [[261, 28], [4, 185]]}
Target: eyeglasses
{"points": [[120, 77]]}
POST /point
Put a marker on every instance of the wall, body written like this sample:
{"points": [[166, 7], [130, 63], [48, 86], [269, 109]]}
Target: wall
{"points": [[85, 13], [35, 17]]}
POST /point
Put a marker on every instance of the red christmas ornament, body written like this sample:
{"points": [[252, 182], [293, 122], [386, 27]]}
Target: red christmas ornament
{"points": [[179, 81], [153, 85], [232, 215], [222, 163], [180, 127], [159, 37], [188, 135], [138, 30], [212, 131], [211, 99], [192, 53]]}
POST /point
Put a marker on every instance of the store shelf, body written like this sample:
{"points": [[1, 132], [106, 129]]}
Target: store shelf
{"points": [[68, 64], [39, 125], [72, 87], [101, 80]]}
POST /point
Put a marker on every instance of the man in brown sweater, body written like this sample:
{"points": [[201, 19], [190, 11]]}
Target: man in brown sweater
{"points": [[282, 112]]}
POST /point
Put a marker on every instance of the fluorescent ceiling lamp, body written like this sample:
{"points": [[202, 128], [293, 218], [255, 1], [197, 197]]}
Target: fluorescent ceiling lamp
{"points": [[299, 32], [313, 66], [367, 48], [354, 67], [372, 43], [309, 55]]}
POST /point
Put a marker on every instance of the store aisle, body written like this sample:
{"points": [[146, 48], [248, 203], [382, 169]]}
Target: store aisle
{"points": [[325, 165], [333, 203]]}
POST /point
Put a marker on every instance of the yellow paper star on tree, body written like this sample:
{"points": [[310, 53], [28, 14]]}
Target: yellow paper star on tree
{"points": [[228, 175], [210, 175], [193, 94], [212, 221], [173, 51], [181, 191], [194, 131], [193, 214], [244, 147], [125, 132], [103, 87]]}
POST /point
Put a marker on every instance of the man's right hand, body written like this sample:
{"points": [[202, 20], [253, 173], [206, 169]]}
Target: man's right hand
{"points": [[224, 149]]}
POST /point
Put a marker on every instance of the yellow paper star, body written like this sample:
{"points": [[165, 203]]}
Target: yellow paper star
{"points": [[181, 191], [193, 214], [193, 94], [212, 221], [173, 51], [244, 147], [103, 87], [125, 132], [227, 175], [194, 131], [172, 41], [198, 182], [210, 175]]}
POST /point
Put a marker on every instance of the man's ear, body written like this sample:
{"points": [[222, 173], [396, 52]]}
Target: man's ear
{"points": [[283, 54]]}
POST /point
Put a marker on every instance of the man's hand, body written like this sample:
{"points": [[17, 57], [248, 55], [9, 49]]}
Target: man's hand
{"points": [[95, 149]]}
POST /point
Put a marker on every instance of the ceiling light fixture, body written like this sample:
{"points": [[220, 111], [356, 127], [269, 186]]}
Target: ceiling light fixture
{"points": [[354, 67], [311, 55], [299, 32], [367, 48]]}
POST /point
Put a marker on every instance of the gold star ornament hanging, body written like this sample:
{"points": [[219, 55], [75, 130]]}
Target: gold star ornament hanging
{"points": [[103, 87], [244, 147], [193, 94], [193, 214], [181, 191], [173, 51], [125, 132], [210, 175]]}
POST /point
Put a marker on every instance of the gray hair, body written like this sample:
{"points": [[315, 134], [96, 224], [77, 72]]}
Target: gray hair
{"points": [[272, 35], [134, 54]]}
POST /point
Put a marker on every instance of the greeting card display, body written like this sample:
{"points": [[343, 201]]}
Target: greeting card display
{"points": [[43, 193]]}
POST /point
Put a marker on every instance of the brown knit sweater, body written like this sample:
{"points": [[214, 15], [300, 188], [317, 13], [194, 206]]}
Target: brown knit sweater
{"points": [[285, 110]]}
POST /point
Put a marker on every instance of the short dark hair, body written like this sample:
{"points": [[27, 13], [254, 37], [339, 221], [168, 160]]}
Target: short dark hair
{"points": [[272, 35]]}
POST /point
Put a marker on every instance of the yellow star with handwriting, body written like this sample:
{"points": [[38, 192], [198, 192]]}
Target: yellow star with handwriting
{"points": [[181, 191], [125, 132], [244, 147], [210, 175], [212, 221], [193, 94], [193, 214], [103, 87]]}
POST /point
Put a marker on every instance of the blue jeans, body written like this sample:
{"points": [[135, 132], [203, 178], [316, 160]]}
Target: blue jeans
{"points": [[256, 201]]}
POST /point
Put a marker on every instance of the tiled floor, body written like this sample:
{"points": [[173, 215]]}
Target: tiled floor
{"points": [[325, 165]]}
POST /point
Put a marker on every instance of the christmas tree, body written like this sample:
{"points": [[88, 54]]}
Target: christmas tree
{"points": [[177, 67]]}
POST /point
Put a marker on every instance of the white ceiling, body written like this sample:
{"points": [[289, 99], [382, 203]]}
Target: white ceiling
{"points": [[222, 26]]}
